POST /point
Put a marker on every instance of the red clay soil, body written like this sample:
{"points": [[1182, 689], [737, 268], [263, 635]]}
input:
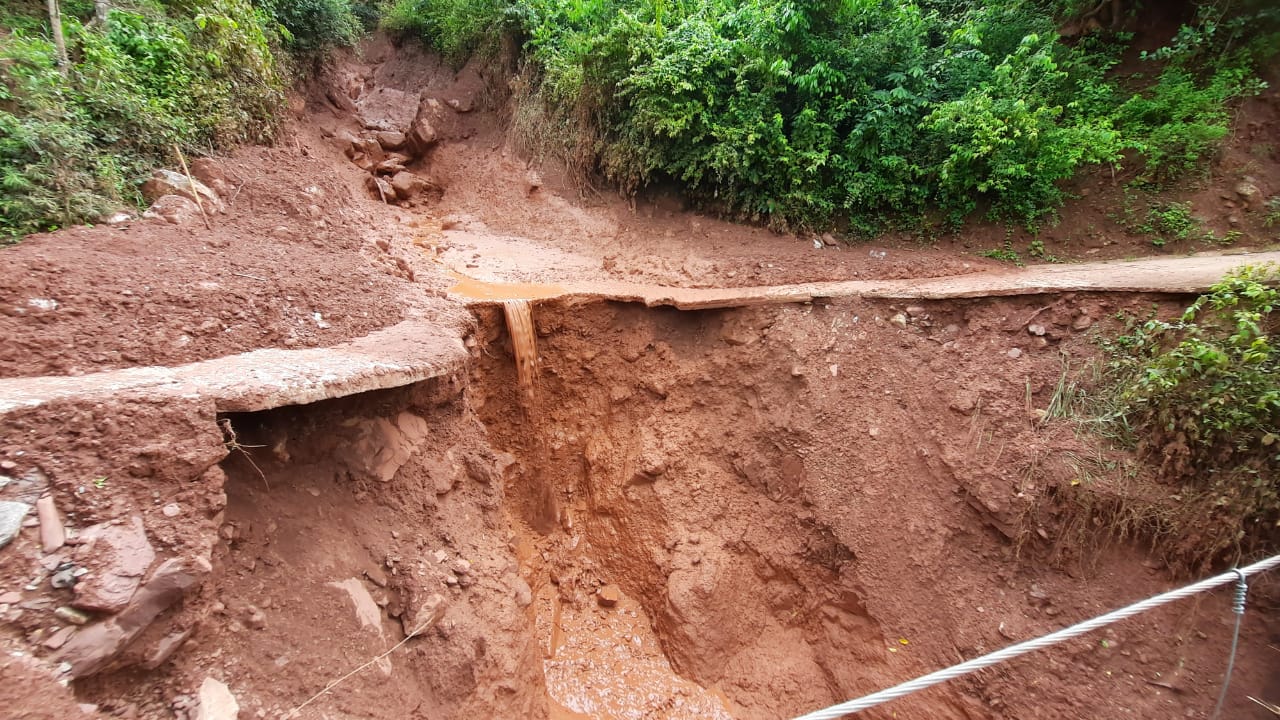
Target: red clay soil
{"points": [[809, 502]]}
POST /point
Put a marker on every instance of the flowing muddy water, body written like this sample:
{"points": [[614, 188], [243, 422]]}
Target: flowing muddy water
{"points": [[602, 663], [524, 341]]}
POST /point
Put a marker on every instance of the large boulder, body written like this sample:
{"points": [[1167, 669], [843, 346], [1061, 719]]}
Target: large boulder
{"points": [[422, 135], [167, 182], [177, 209]]}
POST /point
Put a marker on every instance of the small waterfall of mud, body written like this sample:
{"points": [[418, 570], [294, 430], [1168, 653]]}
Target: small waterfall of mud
{"points": [[524, 342]]}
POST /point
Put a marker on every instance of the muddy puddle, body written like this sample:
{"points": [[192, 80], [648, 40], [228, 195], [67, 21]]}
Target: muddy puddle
{"points": [[605, 663]]}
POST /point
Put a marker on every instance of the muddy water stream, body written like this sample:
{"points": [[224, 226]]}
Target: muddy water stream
{"points": [[524, 341], [602, 663]]}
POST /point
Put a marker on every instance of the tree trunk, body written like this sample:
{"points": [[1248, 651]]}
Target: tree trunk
{"points": [[100, 10], [59, 42]]}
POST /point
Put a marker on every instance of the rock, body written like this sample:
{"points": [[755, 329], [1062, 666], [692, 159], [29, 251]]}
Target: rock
{"points": [[422, 135], [486, 471], [407, 185], [1037, 330], [389, 167], [11, 515], [59, 638], [1250, 194], [371, 149], [1037, 595], [380, 189], [175, 209], [1014, 353], [899, 320], [362, 161], [209, 172], [829, 240], [390, 139], [171, 510], [345, 142], [381, 446], [367, 612], [216, 702], [121, 556], [71, 615], [964, 403], [461, 567], [1084, 322], [916, 311], [738, 332], [874, 432], [167, 182], [93, 648], [10, 598], [376, 576], [254, 618], [426, 614], [64, 578], [52, 534], [118, 218], [165, 649], [608, 595]]}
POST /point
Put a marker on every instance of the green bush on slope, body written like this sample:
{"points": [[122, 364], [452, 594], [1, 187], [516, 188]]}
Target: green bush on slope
{"points": [[72, 146]]}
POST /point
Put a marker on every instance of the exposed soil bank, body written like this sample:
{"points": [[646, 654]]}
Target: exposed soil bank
{"points": [[793, 505], [794, 492]]}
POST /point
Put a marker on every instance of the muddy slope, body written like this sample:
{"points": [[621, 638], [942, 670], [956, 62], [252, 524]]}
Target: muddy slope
{"points": [[816, 502]]}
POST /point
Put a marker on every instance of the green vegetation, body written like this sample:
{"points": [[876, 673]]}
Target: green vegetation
{"points": [[315, 25], [1202, 393], [795, 114], [197, 73], [802, 113], [1170, 221]]}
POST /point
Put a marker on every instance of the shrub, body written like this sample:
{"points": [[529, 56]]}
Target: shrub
{"points": [[1170, 221], [457, 28], [315, 25], [1203, 394], [73, 146]]}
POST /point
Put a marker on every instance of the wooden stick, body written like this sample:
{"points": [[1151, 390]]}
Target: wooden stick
{"points": [[194, 193]]}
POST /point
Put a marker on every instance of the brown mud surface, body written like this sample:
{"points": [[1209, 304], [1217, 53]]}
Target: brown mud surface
{"points": [[746, 512]]}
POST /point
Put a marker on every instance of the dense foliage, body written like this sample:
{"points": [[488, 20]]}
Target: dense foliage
{"points": [[197, 73], [801, 113], [1203, 393]]}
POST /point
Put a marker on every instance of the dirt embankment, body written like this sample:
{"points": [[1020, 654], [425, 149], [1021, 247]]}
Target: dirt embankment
{"points": [[806, 502], [815, 502]]}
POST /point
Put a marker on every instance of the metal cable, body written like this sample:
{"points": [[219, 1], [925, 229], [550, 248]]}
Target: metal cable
{"points": [[1237, 607], [964, 668]]}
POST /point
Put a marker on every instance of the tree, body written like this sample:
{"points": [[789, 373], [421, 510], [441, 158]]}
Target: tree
{"points": [[59, 42]]}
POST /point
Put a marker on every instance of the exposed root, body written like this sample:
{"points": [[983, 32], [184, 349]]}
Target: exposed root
{"points": [[233, 444]]}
